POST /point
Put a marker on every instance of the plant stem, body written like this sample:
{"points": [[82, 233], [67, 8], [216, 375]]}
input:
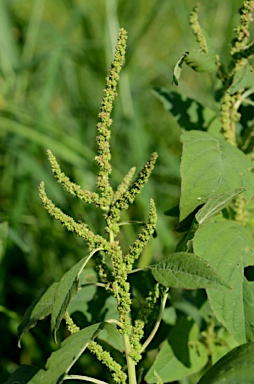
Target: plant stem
{"points": [[157, 324], [130, 361], [85, 378]]}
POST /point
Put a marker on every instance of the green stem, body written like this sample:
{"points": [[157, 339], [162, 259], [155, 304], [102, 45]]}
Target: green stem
{"points": [[85, 378], [157, 324], [130, 361]]}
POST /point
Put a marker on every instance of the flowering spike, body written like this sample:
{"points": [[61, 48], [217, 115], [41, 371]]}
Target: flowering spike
{"points": [[81, 229], [196, 28], [105, 121], [138, 246], [242, 30], [69, 186], [122, 188]]}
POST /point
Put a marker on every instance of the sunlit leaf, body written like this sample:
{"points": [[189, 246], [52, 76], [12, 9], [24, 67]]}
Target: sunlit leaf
{"points": [[66, 290], [216, 204], [60, 362], [210, 166], [229, 247], [186, 270]]}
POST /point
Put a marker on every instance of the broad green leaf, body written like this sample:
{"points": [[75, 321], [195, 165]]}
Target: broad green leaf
{"points": [[188, 271], [248, 299], [22, 375], [216, 204], [201, 62], [66, 290], [197, 60], [61, 361], [180, 355], [234, 368], [112, 336], [240, 79], [229, 247], [38, 310], [189, 113], [210, 166]]}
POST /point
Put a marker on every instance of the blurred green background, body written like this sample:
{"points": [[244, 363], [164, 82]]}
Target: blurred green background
{"points": [[54, 57]]}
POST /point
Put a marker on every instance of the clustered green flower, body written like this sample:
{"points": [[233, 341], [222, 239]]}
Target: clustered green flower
{"points": [[197, 30], [71, 326], [227, 121], [142, 319], [242, 30], [105, 121], [104, 356], [114, 275]]}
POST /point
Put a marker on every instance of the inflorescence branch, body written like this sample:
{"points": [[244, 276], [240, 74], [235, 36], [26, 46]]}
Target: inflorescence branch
{"points": [[105, 121], [115, 275]]}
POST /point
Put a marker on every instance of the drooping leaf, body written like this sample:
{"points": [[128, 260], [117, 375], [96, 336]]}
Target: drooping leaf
{"points": [[240, 79], [178, 69], [180, 355], [201, 62], [22, 374], [188, 271], [189, 113], [234, 368], [216, 204], [66, 290], [229, 247], [38, 310], [61, 361], [210, 166], [198, 60]]}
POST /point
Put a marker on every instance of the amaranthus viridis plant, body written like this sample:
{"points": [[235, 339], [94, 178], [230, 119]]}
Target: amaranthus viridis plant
{"points": [[113, 275]]}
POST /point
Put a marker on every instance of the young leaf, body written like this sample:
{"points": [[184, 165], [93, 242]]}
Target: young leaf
{"points": [[180, 355], [188, 271], [38, 310], [210, 166], [234, 368], [61, 361], [67, 288], [216, 204], [231, 249], [240, 79]]}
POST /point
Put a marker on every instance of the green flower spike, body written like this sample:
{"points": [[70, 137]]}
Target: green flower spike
{"points": [[138, 246], [242, 30], [197, 30], [81, 229], [118, 375], [72, 188], [105, 121], [128, 197]]}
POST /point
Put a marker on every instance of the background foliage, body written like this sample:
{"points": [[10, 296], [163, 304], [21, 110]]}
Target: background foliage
{"points": [[54, 57]]}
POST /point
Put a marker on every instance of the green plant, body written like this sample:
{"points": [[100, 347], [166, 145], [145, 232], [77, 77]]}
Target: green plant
{"points": [[218, 246]]}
